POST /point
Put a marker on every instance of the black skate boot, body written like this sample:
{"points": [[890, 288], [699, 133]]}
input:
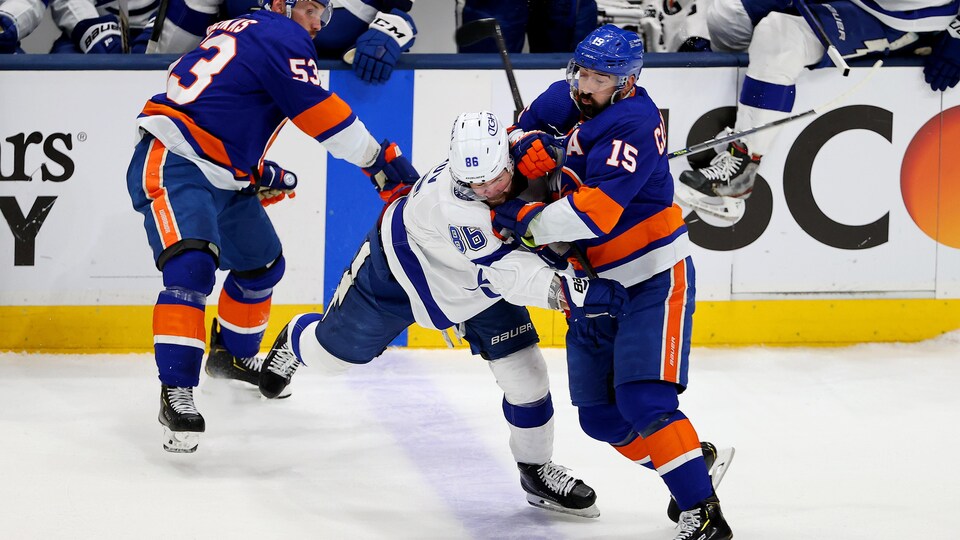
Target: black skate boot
{"points": [[704, 522], [182, 423], [720, 188], [717, 462], [221, 364], [549, 486], [730, 174], [279, 366]]}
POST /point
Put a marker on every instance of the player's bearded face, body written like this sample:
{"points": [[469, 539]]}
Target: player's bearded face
{"points": [[309, 15], [495, 192], [593, 91]]}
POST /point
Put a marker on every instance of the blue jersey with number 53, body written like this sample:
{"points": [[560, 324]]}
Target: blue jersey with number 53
{"points": [[227, 99]]}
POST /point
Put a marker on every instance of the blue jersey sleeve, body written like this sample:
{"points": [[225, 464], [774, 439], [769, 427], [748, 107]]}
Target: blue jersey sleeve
{"points": [[290, 75], [553, 111]]}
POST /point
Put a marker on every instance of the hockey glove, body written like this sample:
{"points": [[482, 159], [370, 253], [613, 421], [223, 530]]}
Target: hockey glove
{"points": [[9, 35], [98, 36], [379, 48], [941, 69], [556, 255], [391, 173], [274, 184], [516, 215], [588, 298], [535, 152]]}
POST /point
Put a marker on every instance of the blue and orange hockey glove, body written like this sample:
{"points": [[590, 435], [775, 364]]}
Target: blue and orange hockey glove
{"points": [[378, 49], [590, 298], [941, 69], [535, 153], [391, 173], [274, 183], [516, 215]]}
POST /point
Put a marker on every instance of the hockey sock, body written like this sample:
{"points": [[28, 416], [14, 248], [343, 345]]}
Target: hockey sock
{"points": [[636, 451], [244, 308], [531, 430], [669, 437], [676, 454], [179, 332]]}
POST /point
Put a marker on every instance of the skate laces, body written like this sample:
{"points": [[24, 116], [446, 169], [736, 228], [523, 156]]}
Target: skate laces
{"points": [[688, 524], [724, 166], [556, 478], [284, 362], [253, 363], [181, 400]]}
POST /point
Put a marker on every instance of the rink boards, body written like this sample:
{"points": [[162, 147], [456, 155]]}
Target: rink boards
{"points": [[849, 236]]}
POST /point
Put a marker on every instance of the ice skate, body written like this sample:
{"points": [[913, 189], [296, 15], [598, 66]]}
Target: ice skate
{"points": [[182, 423], [717, 463], [704, 522], [720, 188], [550, 486], [221, 364], [279, 366]]}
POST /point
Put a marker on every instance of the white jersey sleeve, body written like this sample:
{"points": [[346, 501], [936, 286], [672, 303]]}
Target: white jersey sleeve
{"points": [[443, 252], [26, 14]]}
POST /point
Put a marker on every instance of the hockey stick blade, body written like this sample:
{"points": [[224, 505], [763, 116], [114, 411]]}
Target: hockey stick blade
{"points": [[475, 32], [728, 209], [717, 141]]}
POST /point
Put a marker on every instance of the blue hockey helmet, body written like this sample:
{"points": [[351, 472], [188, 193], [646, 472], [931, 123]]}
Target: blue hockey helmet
{"points": [[611, 50], [324, 19]]}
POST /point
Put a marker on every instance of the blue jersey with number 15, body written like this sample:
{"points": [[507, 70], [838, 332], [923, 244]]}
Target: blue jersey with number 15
{"points": [[228, 98]]}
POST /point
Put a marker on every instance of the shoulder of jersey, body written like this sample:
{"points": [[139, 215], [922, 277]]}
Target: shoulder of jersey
{"points": [[279, 28]]}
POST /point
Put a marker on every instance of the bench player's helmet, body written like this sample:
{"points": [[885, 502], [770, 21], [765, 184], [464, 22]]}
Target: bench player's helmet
{"points": [[479, 151], [611, 50], [324, 18]]}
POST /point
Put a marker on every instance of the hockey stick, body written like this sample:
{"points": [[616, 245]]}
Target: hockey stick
{"points": [[476, 31], [732, 208], [706, 145], [817, 27], [123, 13], [154, 44]]}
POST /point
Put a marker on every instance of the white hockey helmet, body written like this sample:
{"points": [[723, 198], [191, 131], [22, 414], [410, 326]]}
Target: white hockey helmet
{"points": [[479, 151]]}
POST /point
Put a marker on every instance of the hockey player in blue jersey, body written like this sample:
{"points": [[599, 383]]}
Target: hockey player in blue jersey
{"points": [[616, 206], [433, 260], [781, 44], [199, 178]]}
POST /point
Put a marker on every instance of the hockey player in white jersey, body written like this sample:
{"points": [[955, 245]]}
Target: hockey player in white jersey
{"points": [[781, 43], [433, 259]]}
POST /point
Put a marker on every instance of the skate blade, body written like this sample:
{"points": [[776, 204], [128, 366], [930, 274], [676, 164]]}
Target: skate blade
{"points": [[180, 442], [728, 209], [721, 464], [589, 512]]}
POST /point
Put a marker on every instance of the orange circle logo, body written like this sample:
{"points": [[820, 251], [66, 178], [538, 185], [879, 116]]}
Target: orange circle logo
{"points": [[930, 178]]}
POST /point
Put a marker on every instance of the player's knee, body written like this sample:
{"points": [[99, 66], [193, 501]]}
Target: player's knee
{"points": [[192, 270], [647, 405], [729, 25], [522, 376], [782, 46], [257, 283], [604, 423]]}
